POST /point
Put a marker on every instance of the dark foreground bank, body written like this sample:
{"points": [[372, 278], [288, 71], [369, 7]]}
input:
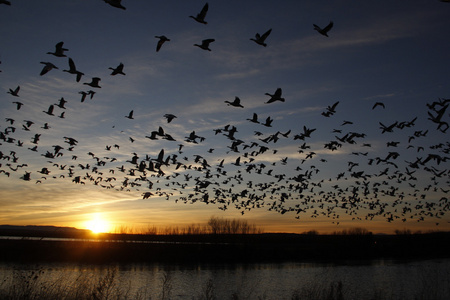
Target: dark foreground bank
{"points": [[259, 248]]}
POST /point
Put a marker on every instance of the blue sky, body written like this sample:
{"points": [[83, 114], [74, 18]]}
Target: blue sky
{"points": [[376, 52]]}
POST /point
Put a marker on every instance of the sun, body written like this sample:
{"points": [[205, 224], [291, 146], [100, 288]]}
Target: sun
{"points": [[97, 225]]}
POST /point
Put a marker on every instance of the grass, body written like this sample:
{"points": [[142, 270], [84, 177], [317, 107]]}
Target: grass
{"points": [[33, 284]]}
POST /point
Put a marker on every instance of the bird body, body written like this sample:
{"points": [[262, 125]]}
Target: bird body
{"points": [[61, 103], [49, 110], [323, 31], [48, 66], [162, 40], [275, 97], [200, 17], [18, 104], [260, 39], [169, 117], [254, 119], [235, 103], [117, 70], [130, 115], [73, 70], [205, 44], [59, 50], [115, 3], [15, 92], [94, 82], [381, 104]]}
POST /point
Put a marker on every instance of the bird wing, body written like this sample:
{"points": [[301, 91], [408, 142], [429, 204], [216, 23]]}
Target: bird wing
{"points": [[59, 47], [207, 41], [203, 12], [328, 27], [266, 34], [72, 65], [277, 93]]}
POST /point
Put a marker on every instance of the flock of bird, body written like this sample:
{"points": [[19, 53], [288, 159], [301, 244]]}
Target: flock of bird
{"points": [[374, 184]]}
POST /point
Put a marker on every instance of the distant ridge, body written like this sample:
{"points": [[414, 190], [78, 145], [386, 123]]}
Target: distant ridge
{"points": [[41, 231]]}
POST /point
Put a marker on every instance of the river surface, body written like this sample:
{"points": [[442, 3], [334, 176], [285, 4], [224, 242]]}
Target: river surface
{"points": [[380, 279]]}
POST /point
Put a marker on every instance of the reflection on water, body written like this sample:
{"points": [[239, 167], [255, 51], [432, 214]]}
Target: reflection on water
{"points": [[393, 280]]}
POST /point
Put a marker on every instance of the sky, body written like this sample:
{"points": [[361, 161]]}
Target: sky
{"points": [[316, 167]]}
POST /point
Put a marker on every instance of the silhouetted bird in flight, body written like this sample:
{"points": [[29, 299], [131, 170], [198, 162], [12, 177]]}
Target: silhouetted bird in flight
{"points": [[117, 70], [73, 70], [378, 104], [275, 97], [115, 3], [268, 122], [235, 103], [19, 104], [61, 103], [59, 50], [201, 15], [14, 92], [48, 66], [205, 44], [260, 39], [331, 110], [130, 115], [162, 40], [5, 2], [323, 31], [94, 82], [254, 119], [49, 111], [169, 117]]}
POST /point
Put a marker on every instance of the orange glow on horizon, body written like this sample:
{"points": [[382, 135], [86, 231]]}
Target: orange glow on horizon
{"points": [[97, 224]]}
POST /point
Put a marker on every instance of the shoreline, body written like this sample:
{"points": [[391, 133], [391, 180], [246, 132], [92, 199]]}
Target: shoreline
{"points": [[257, 248]]}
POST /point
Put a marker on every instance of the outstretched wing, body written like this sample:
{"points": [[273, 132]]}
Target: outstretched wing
{"points": [[328, 27]]}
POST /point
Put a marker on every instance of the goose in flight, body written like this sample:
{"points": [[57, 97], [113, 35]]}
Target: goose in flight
{"points": [[260, 39], [205, 44], [83, 95], [323, 31], [268, 122], [5, 2], [130, 115], [94, 82], [14, 92], [59, 50], [61, 103], [201, 15], [19, 104], [73, 70], [49, 111], [115, 3], [330, 110], [254, 119], [48, 66], [117, 70], [381, 104], [169, 117], [275, 97], [235, 103], [162, 40]]}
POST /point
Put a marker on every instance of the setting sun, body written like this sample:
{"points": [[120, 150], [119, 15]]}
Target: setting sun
{"points": [[97, 225]]}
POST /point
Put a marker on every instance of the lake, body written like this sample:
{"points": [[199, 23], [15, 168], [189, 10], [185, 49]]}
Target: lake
{"points": [[376, 279]]}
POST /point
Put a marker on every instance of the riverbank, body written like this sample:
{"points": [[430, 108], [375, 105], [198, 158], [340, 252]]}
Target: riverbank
{"points": [[249, 248]]}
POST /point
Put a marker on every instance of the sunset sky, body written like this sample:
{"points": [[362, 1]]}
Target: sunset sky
{"points": [[375, 178]]}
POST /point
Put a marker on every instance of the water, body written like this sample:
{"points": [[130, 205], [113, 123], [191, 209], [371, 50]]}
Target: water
{"points": [[371, 280]]}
